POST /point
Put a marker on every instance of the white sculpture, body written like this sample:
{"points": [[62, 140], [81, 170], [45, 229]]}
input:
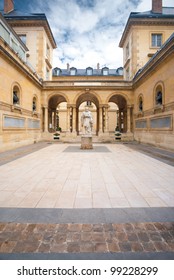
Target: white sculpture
{"points": [[87, 121]]}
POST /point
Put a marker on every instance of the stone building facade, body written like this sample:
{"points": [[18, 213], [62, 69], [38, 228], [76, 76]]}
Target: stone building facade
{"points": [[36, 100]]}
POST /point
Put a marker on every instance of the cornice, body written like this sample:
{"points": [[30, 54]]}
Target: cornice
{"points": [[39, 23], [146, 22], [19, 64]]}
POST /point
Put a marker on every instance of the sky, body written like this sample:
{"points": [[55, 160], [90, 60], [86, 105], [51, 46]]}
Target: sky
{"points": [[87, 32]]}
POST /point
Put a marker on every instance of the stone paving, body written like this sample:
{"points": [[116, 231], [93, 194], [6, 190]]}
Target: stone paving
{"points": [[83, 238], [110, 176], [120, 185]]}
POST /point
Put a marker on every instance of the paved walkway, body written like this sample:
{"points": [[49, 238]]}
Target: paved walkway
{"points": [[114, 201], [109, 176]]}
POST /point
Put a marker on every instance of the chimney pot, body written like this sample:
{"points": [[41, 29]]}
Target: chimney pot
{"points": [[157, 6], [8, 6]]}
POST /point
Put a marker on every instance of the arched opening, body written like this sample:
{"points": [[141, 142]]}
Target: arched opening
{"points": [[92, 102], [112, 116], [140, 103], [57, 113], [121, 112]]}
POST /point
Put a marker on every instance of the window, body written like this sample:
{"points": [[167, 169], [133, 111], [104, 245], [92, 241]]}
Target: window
{"points": [[73, 71], [127, 51], [34, 104], [56, 71], [16, 96], [47, 74], [23, 38], [156, 40], [105, 71], [140, 105], [47, 51], [89, 71]]}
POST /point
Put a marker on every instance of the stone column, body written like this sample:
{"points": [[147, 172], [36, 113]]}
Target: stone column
{"points": [[45, 119], [68, 119], [74, 119], [106, 120], [128, 118], [100, 119], [55, 120]]}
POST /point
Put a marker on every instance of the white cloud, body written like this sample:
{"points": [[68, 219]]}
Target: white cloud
{"points": [[89, 31]]}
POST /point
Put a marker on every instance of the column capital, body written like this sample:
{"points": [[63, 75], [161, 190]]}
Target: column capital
{"points": [[129, 106], [45, 106], [72, 105]]}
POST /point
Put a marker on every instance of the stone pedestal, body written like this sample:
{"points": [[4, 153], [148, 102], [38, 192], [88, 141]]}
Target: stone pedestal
{"points": [[86, 142]]}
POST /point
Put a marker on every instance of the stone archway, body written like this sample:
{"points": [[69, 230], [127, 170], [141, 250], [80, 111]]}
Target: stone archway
{"points": [[92, 101], [56, 118], [123, 112]]}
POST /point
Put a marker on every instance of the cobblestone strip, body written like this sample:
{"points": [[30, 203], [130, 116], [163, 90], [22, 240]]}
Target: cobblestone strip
{"points": [[94, 238]]}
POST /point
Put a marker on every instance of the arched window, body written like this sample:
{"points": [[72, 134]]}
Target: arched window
{"points": [[16, 95], [34, 104], [140, 104]]}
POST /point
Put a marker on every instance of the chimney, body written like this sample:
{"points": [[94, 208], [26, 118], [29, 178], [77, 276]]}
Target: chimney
{"points": [[8, 6], [68, 66], [157, 6], [98, 66]]}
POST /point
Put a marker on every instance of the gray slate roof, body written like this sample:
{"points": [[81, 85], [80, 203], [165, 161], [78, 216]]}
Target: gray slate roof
{"points": [[83, 72]]}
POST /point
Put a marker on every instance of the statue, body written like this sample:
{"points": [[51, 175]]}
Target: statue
{"points": [[15, 98], [87, 121]]}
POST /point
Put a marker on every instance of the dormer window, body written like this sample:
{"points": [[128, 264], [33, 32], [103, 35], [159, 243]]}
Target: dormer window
{"points": [[73, 71], [89, 71], [56, 71], [105, 71]]}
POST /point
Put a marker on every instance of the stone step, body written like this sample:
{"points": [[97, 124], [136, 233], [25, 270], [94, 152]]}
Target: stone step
{"points": [[125, 137]]}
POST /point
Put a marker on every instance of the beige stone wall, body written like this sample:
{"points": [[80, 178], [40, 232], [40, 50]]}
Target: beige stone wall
{"points": [[18, 124], [37, 42], [155, 125], [139, 40]]}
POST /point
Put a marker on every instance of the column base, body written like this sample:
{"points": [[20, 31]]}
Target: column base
{"points": [[86, 142]]}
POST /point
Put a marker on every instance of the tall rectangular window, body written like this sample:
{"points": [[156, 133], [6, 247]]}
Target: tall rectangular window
{"points": [[47, 51], [47, 74], [127, 51], [156, 40]]}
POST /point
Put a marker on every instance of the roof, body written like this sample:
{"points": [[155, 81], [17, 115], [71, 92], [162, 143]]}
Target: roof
{"points": [[18, 16], [83, 72], [167, 13]]}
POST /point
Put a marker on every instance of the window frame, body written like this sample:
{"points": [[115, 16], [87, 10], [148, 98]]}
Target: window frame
{"points": [[154, 43]]}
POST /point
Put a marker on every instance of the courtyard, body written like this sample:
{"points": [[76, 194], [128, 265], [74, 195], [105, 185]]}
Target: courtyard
{"points": [[59, 199]]}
